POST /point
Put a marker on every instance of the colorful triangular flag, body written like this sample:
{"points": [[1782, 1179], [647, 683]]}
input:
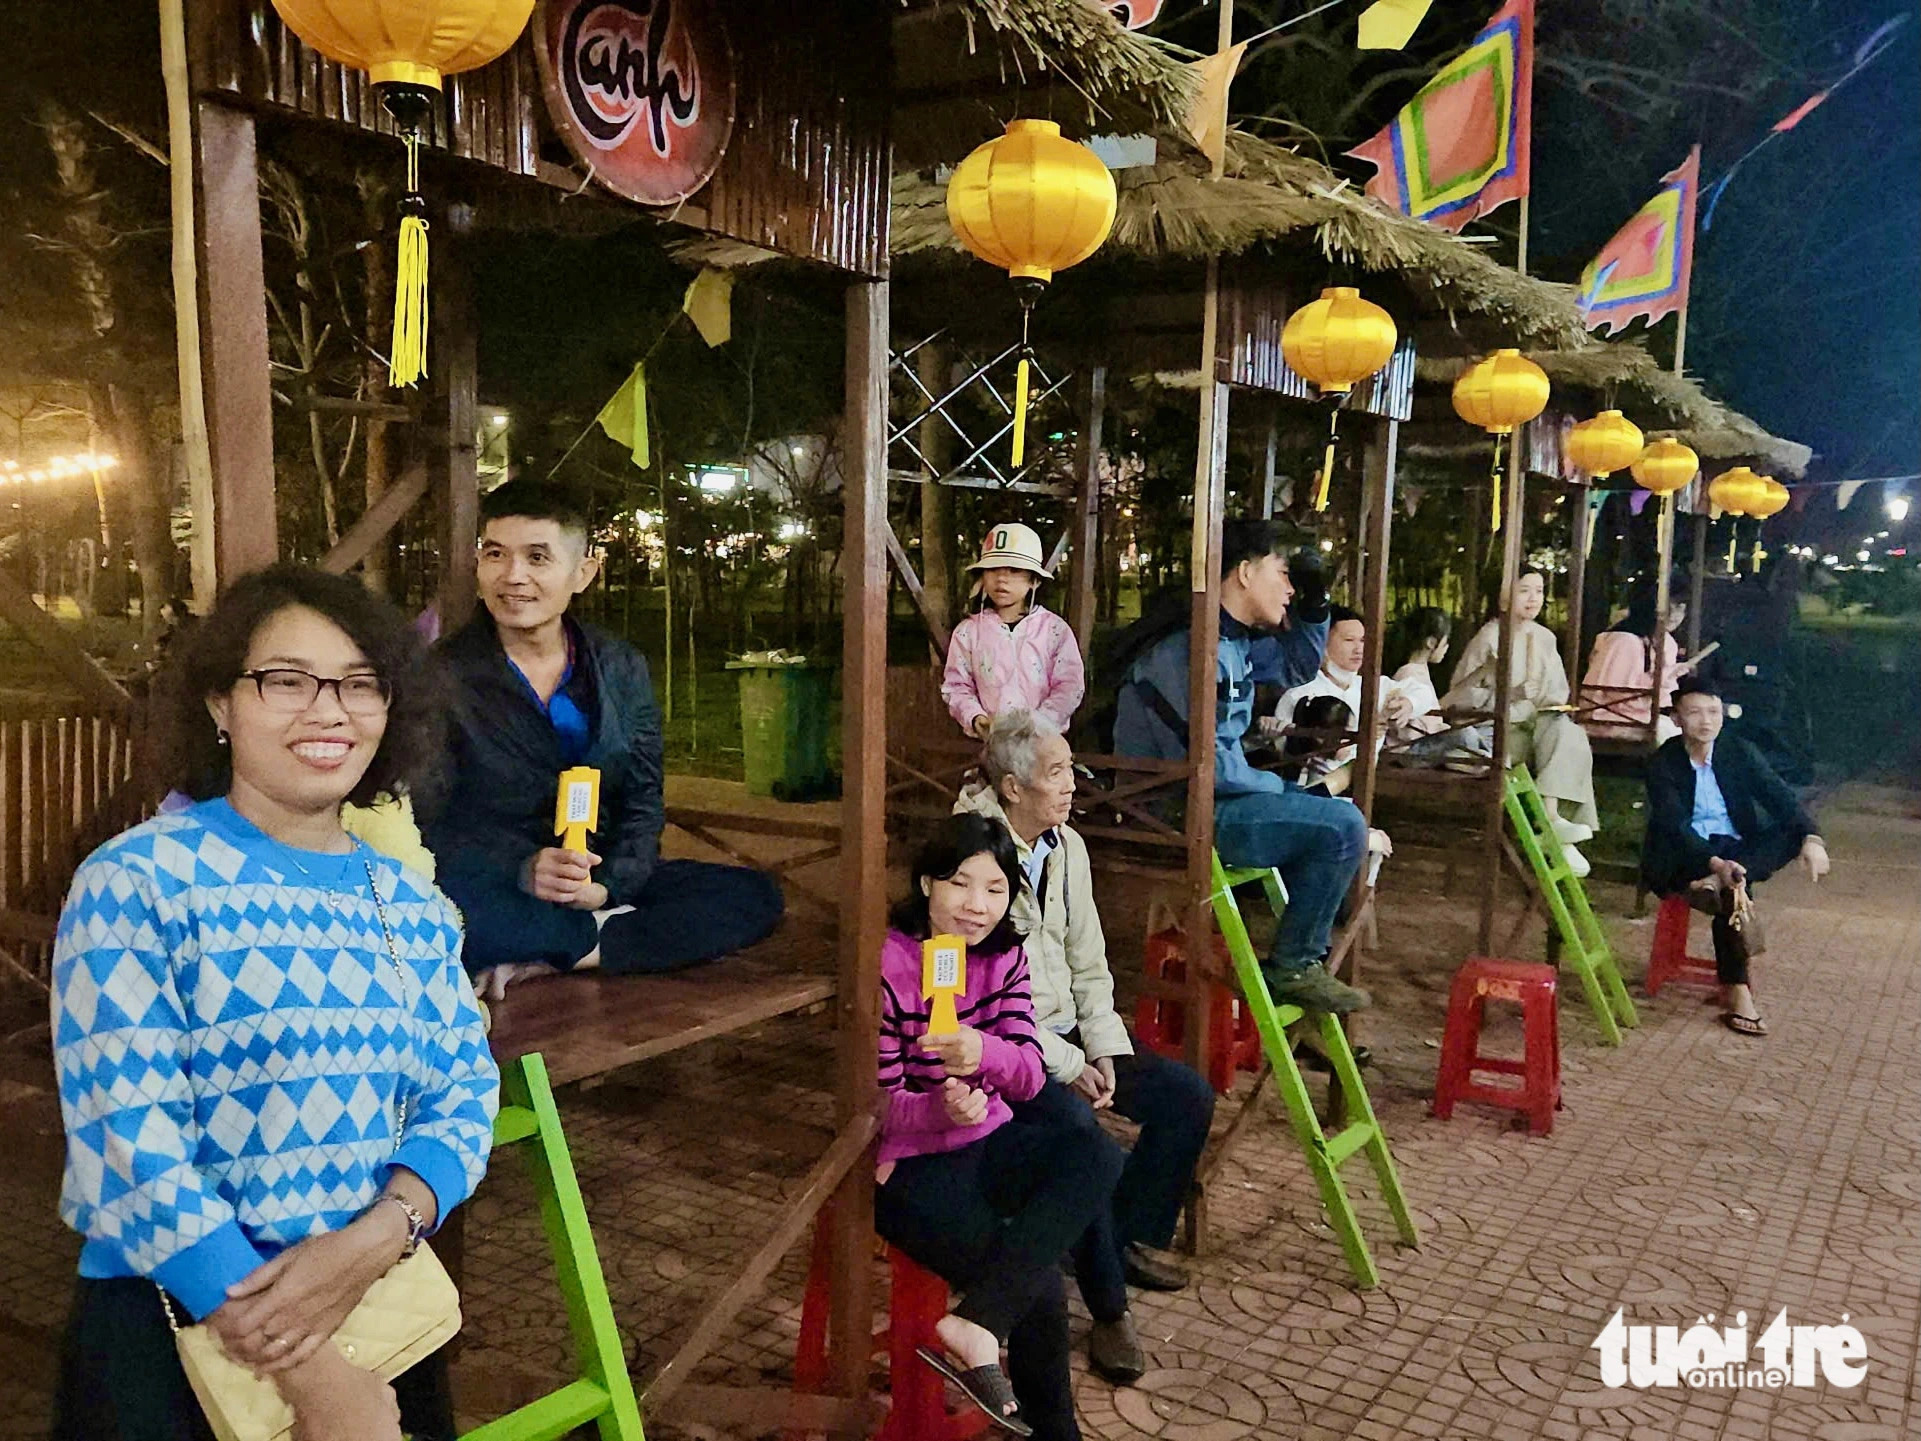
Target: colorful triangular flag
{"points": [[1390, 24], [624, 417], [1459, 149], [1207, 117], [709, 303], [1643, 271]]}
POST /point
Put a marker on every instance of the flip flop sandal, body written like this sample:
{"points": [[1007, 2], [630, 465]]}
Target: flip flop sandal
{"points": [[1744, 1025], [986, 1386]]}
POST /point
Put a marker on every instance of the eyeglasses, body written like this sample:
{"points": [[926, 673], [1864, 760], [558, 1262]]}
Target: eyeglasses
{"points": [[292, 691]]}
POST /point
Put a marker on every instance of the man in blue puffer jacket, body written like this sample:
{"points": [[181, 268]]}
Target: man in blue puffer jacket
{"points": [[1260, 819]]}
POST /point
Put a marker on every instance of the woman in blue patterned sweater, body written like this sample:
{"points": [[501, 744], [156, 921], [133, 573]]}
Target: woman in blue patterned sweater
{"points": [[267, 1103]]}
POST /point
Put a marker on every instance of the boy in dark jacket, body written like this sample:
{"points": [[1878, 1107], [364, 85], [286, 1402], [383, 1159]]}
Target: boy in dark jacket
{"points": [[537, 692], [1718, 816]]}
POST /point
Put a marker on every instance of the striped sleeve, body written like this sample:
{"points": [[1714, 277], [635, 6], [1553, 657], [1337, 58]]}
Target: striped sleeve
{"points": [[1011, 1061]]}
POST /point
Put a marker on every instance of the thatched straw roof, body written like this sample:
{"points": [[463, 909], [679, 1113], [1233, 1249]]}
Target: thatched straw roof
{"points": [[1604, 367], [959, 62], [1174, 210]]}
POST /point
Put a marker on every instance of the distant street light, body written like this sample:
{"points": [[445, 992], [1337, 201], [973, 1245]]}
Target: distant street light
{"points": [[1897, 507]]}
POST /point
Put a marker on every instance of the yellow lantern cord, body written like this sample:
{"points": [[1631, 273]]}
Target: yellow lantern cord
{"points": [[408, 360], [1327, 460]]}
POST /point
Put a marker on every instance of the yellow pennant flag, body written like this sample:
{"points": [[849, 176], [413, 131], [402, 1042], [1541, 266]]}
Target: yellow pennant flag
{"points": [[1390, 24], [624, 416], [710, 305], [1207, 118]]}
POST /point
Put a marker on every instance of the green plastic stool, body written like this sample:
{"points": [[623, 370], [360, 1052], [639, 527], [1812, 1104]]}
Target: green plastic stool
{"points": [[1584, 945], [604, 1394], [1325, 1154]]}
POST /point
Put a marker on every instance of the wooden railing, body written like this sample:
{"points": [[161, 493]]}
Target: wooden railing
{"points": [[67, 783]]}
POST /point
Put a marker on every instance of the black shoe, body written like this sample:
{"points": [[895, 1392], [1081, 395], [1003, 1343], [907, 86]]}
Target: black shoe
{"points": [[1314, 1060], [1114, 1352], [1152, 1270]]}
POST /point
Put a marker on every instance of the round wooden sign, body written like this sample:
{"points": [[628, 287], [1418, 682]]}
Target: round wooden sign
{"points": [[642, 91]]}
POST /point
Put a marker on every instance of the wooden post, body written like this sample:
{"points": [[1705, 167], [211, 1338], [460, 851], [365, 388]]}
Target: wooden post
{"points": [[455, 339], [1511, 552], [1203, 648], [1087, 506], [1663, 595], [1269, 465], [231, 289], [1377, 469], [1473, 602], [863, 917], [1582, 528], [1697, 580], [941, 593]]}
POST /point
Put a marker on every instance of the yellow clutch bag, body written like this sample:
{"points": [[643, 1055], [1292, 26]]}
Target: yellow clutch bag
{"points": [[406, 1316]]}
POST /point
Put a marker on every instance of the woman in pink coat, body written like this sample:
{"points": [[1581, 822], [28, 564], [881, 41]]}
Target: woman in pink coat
{"points": [[1012, 653]]}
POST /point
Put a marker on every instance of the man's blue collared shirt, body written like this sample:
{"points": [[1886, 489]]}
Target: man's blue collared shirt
{"points": [[1711, 816]]}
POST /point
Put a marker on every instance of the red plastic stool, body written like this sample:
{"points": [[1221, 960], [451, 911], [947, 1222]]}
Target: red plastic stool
{"points": [[1532, 988], [1160, 1023], [1669, 959], [917, 1409]]}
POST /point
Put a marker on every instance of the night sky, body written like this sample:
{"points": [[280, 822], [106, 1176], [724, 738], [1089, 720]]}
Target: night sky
{"points": [[1806, 310]]}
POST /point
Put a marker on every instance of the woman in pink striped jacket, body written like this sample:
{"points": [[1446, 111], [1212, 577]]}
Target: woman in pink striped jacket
{"points": [[1012, 653]]}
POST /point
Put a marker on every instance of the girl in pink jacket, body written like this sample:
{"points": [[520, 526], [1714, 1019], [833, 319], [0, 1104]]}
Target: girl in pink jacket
{"points": [[1011, 653]]}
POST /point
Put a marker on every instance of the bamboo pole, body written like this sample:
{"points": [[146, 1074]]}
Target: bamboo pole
{"points": [[186, 304]]}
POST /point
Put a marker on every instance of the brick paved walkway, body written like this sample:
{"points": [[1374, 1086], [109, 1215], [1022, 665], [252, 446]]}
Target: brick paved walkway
{"points": [[1692, 1172]]}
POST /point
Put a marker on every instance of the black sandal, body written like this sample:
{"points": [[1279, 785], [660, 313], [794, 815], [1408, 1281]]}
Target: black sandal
{"points": [[986, 1386], [1744, 1025]]}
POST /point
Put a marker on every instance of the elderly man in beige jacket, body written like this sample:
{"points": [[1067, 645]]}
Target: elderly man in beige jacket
{"points": [[1091, 1061]]}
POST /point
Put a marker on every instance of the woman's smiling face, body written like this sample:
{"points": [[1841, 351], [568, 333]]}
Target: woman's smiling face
{"points": [[306, 757], [969, 903]]}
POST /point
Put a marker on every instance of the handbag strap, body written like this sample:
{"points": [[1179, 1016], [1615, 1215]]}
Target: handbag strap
{"points": [[400, 973]]}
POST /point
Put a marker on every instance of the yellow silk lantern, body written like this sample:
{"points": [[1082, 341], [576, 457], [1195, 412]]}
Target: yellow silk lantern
{"points": [[1032, 203], [1665, 466], [1334, 343], [1604, 444], [1771, 501], [1499, 393], [407, 47], [1737, 491]]}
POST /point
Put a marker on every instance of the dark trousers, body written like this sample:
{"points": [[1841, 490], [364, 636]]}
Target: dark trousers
{"points": [[993, 1219], [688, 913], [1761, 857], [121, 1380], [1174, 1108]]}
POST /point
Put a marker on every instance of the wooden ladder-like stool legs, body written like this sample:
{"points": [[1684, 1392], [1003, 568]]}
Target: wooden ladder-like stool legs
{"points": [[604, 1394], [1362, 1133]]}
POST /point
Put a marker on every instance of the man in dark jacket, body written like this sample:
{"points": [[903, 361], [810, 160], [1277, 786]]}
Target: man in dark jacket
{"points": [[1718, 816], [537, 692]]}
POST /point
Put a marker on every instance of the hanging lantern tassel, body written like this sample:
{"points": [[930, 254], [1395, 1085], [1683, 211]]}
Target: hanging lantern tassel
{"points": [[1734, 543], [1327, 460], [1494, 478], [1759, 556], [1029, 291], [408, 360]]}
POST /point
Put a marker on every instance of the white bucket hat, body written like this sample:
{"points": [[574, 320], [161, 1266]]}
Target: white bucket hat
{"points": [[1016, 547]]}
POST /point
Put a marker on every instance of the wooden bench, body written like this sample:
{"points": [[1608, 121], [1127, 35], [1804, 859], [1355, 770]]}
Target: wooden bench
{"points": [[590, 1024]]}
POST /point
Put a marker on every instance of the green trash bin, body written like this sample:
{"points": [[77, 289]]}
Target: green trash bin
{"points": [[786, 712]]}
